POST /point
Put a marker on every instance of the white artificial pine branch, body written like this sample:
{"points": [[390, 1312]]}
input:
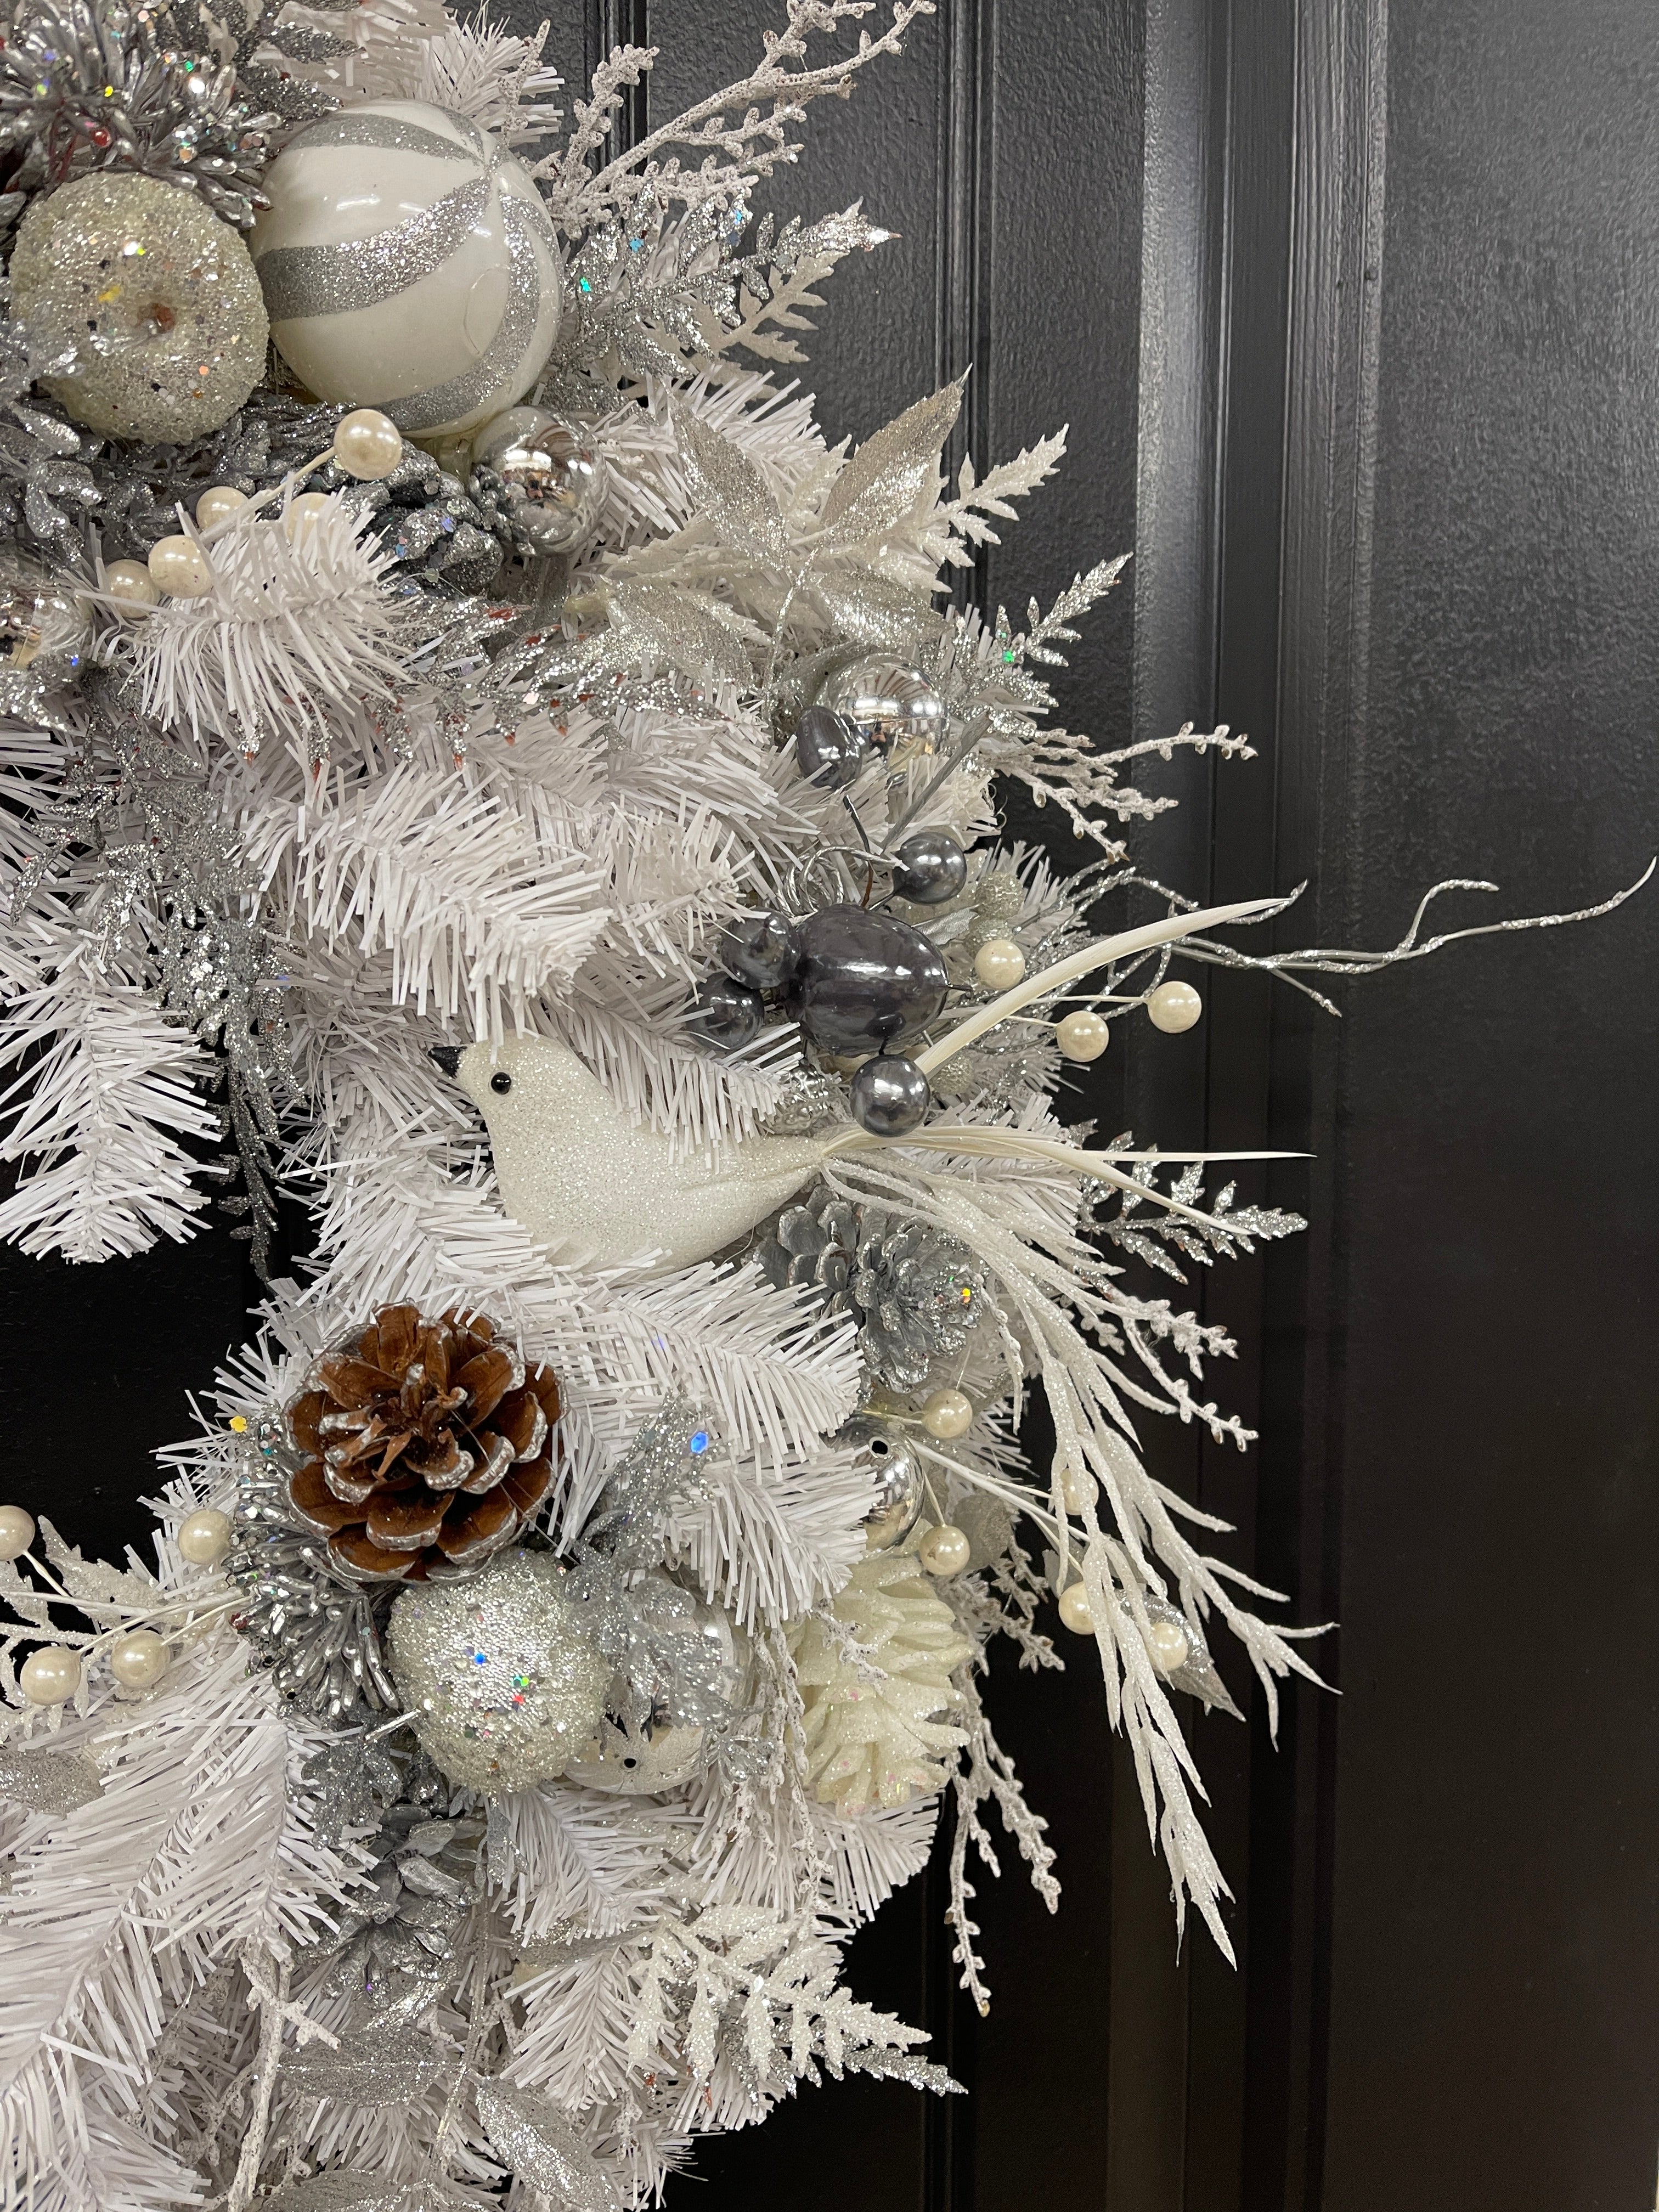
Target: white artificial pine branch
{"points": [[108, 1090], [294, 636]]}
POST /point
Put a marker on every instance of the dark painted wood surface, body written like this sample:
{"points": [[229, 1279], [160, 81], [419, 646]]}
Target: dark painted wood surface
{"points": [[1352, 307]]}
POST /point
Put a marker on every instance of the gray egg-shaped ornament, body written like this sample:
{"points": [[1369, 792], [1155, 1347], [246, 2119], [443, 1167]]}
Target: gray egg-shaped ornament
{"points": [[725, 1014], [889, 1096], [864, 979], [829, 750], [929, 867], [758, 949], [550, 482], [894, 707], [897, 1472]]}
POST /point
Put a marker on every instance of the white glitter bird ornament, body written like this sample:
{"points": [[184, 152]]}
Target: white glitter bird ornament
{"points": [[601, 1190]]}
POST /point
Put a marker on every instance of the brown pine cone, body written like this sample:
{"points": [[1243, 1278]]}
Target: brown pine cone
{"points": [[428, 1446]]}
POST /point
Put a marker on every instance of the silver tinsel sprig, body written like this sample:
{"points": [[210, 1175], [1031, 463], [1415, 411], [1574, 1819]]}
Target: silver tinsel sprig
{"points": [[662, 1468], [912, 1291], [643, 1622], [47, 487], [319, 1633], [94, 84]]}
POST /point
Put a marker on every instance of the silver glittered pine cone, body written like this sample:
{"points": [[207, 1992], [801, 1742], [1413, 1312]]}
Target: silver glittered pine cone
{"points": [[395, 1946], [912, 1291], [440, 541]]}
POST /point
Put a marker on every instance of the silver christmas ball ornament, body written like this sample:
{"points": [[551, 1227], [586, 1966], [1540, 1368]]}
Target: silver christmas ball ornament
{"points": [[863, 980], [829, 750], [725, 1014], [929, 867], [890, 1096], [897, 1473], [894, 707], [499, 1675], [758, 949], [551, 482], [42, 627]]}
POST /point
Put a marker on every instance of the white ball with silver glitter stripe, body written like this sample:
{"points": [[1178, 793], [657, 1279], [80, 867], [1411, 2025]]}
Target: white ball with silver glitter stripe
{"points": [[409, 264]]}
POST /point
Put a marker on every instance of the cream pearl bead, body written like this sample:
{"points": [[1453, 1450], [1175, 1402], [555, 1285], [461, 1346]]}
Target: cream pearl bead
{"points": [[1074, 1609], [139, 1659], [16, 1532], [180, 568], [132, 587], [1077, 1488], [369, 444], [1083, 1036], [1000, 963], [218, 504], [50, 1676], [302, 513], [947, 1414], [204, 1536], [943, 1551], [1170, 1649], [1174, 1007]]}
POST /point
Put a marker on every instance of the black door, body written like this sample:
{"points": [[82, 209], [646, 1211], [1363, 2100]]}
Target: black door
{"points": [[1352, 308]]}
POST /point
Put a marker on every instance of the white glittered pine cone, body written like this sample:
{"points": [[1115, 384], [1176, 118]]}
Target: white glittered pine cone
{"points": [[871, 1735]]}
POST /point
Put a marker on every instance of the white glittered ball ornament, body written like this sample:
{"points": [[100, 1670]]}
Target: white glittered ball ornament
{"points": [[499, 1673], [409, 264], [156, 297]]}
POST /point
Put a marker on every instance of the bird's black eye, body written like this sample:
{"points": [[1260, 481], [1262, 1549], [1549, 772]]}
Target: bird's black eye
{"points": [[500, 1081]]}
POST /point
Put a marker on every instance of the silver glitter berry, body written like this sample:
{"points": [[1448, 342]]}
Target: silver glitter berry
{"points": [[499, 1675]]}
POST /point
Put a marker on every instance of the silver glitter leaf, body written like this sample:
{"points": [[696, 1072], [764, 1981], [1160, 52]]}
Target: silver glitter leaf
{"points": [[381, 2068], [730, 491], [49, 1780], [367, 2192], [543, 2148], [880, 484]]}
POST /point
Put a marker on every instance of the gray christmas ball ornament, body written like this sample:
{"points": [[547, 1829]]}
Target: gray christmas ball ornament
{"points": [[549, 483], [725, 1014], [864, 981], [898, 1476], [929, 867], [890, 1096], [758, 949], [829, 750], [499, 1675], [893, 706]]}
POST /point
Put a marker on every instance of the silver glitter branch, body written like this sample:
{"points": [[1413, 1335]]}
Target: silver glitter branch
{"points": [[752, 146]]}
